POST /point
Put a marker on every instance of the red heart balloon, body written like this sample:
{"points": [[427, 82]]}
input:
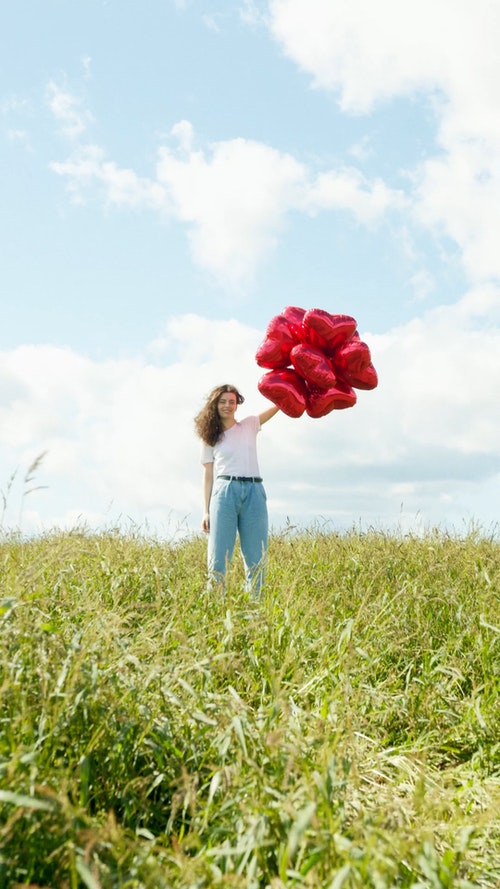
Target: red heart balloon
{"points": [[274, 351], [328, 359], [286, 389], [322, 401], [294, 316], [353, 363], [313, 365], [327, 330]]}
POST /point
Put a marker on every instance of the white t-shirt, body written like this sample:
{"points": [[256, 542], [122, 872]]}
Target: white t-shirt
{"points": [[236, 452]]}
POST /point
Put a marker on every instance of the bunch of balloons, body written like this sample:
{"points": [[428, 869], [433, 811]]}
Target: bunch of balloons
{"points": [[315, 362]]}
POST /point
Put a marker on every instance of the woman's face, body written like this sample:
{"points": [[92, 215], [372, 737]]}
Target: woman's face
{"points": [[226, 405]]}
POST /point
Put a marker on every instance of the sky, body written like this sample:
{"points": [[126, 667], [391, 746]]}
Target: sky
{"points": [[172, 175]]}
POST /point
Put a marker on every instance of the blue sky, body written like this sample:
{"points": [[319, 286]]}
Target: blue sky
{"points": [[172, 175]]}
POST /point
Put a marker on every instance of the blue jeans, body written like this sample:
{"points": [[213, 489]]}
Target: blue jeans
{"points": [[238, 507]]}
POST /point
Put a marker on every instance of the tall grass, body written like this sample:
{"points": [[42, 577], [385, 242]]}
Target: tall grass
{"points": [[343, 732]]}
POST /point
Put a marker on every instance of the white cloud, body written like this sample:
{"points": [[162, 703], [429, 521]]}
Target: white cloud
{"points": [[460, 193], [120, 441], [117, 432], [233, 196], [348, 189], [442, 51], [183, 132], [67, 109], [120, 187], [369, 52], [234, 199]]}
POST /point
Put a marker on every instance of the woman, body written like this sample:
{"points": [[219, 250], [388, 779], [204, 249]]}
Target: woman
{"points": [[234, 499]]}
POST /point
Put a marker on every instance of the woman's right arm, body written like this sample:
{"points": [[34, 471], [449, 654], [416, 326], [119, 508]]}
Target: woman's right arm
{"points": [[208, 481]]}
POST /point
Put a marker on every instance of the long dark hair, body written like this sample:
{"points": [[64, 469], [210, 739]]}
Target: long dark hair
{"points": [[207, 423]]}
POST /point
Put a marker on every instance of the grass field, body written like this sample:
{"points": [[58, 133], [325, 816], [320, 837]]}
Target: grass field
{"points": [[344, 732]]}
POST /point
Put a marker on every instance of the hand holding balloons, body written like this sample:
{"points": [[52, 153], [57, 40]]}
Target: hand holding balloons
{"points": [[327, 357]]}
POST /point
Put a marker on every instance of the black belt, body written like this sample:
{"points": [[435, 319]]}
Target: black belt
{"points": [[240, 478]]}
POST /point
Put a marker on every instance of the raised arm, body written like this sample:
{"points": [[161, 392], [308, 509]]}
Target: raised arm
{"points": [[266, 415], [208, 481]]}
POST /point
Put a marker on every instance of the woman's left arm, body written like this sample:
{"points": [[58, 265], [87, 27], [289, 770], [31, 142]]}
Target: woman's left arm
{"points": [[266, 415]]}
